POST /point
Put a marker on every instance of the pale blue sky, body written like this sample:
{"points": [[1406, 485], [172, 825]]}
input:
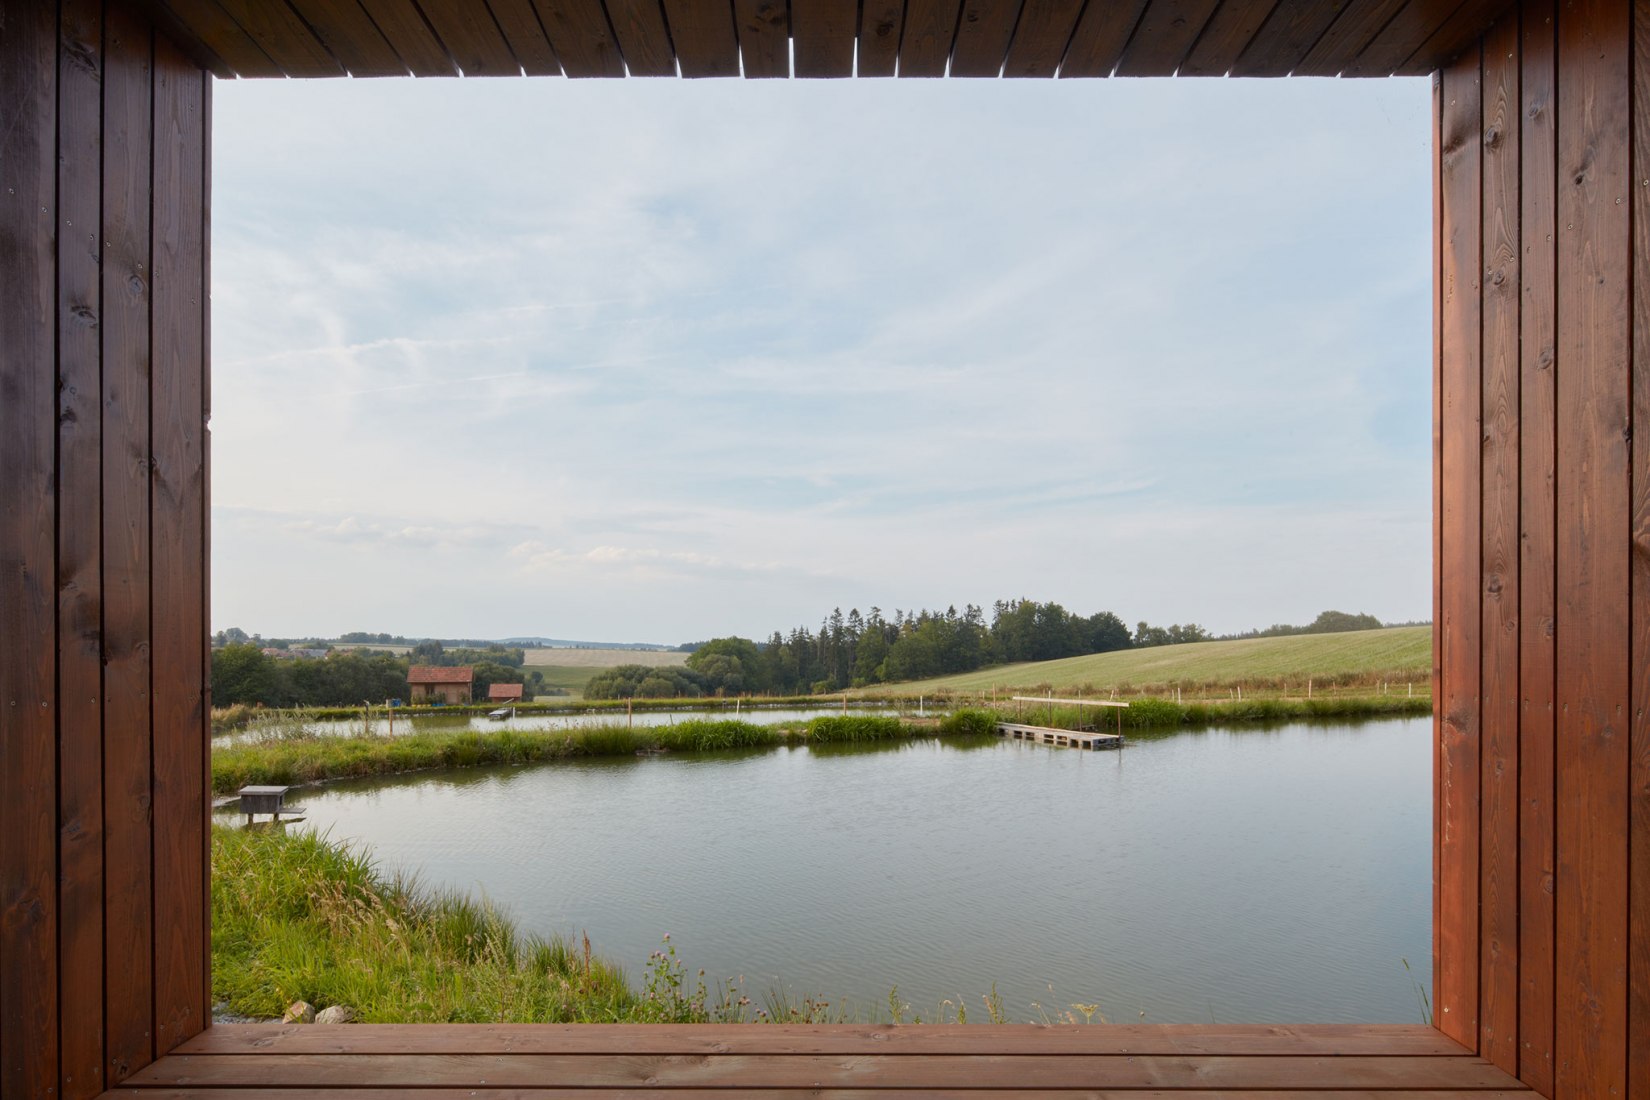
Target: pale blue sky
{"points": [[661, 360]]}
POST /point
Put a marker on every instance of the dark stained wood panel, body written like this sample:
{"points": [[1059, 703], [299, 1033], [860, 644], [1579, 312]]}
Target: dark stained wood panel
{"points": [[880, 23], [128, 909], [822, 37], [28, 602], [1289, 34], [703, 31], [1347, 37], [283, 37], [581, 36], [764, 29], [1102, 32], [177, 539], [1455, 920], [1227, 35], [1638, 1006], [1040, 38], [1499, 704], [930, 28], [79, 563], [644, 39], [1594, 508], [1416, 22], [1457, 33], [1165, 35], [1538, 541], [349, 35], [223, 36], [519, 24], [473, 40], [403, 25], [983, 33]]}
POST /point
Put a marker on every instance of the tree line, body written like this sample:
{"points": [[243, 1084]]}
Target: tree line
{"points": [[243, 673]]}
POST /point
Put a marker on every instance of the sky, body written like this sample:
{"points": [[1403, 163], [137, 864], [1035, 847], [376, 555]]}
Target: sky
{"points": [[658, 360]]}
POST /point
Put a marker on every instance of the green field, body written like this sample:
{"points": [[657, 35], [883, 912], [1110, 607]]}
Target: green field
{"points": [[1361, 661], [571, 669]]}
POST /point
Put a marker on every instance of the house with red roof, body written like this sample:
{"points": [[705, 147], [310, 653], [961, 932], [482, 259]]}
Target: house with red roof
{"points": [[505, 693], [440, 683]]}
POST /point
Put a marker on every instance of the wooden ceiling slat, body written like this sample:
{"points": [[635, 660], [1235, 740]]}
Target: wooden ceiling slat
{"points": [[983, 34], [415, 43], [279, 32], [1461, 30], [764, 28], [823, 35], [1040, 39], [225, 37], [169, 24], [520, 25], [925, 45], [1354, 29], [350, 36], [702, 30], [1415, 22], [1164, 37], [1234, 26], [1293, 28], [643, 38], [582, 38], [880, 23], [1102, 33], [467, 29]]}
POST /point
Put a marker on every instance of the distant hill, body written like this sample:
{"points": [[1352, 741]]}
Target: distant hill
{"points": [[1398, 654], [565, 643]]}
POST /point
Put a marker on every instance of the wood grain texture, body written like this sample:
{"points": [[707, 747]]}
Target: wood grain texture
{"points": [[127, 798], [1415, 22], [28, 602], [1353, 30], [1638, 1005], [1537, 397], [822, 37], [1437, 506], [1499, 555], [764, 29], [1040, 37], [177, 539], [643, 38], [930, 28], [282, 37], [79, 548], [414, 42], [982, 1071], [1455, 981], [1593, 547], [706, 42], [1316, 1040], [984, 30], [1103, 31], [880, 24], [1227, 35], [519, 24], [1460, 31], [1290, 32], [472, 38], [1165, 35], [349, 35], [223, 36], [582, 37]]}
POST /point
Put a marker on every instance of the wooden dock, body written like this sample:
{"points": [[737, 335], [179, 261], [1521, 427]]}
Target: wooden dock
{"points": [[1071, 739]]}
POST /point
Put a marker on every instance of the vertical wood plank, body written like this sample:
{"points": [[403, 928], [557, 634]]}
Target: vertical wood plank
{"points": [[822, 37], [1456, 919], [1437, 511], [983, 34], [28, 605], [128, 921], [1103, 31], [581, 36], [1638, 1007], [1594, 506], [703, 33], [79, 548], [1040, 38], [1537, 395], [526, 39], [880, 23], [930, 28], [764, 29], [177, 539], [1498, 779], [639, 26]]}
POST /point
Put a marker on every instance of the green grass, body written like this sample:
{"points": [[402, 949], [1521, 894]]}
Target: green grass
{"points": [[296, 917], [1360, 661]]}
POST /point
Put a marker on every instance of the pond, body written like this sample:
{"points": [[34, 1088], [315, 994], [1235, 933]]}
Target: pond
{"points": [[1222, 875]]}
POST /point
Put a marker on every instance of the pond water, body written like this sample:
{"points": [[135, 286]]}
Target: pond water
{"points": [[1276, 875]]}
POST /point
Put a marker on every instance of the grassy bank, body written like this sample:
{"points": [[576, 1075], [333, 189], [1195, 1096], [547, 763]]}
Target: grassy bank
{"points": [[1165, 714], [297, 918], [296, 756]]}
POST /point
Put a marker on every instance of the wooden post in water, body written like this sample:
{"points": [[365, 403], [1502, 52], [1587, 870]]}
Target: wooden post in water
{"points": [[629, 714], [1309, 688]]}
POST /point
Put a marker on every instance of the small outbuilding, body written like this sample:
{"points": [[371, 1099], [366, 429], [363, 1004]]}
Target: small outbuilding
{"points": [[506, 693], [440, 683]]}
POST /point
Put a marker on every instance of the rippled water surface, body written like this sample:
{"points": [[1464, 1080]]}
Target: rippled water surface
{"points": [[1229, 875]]}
